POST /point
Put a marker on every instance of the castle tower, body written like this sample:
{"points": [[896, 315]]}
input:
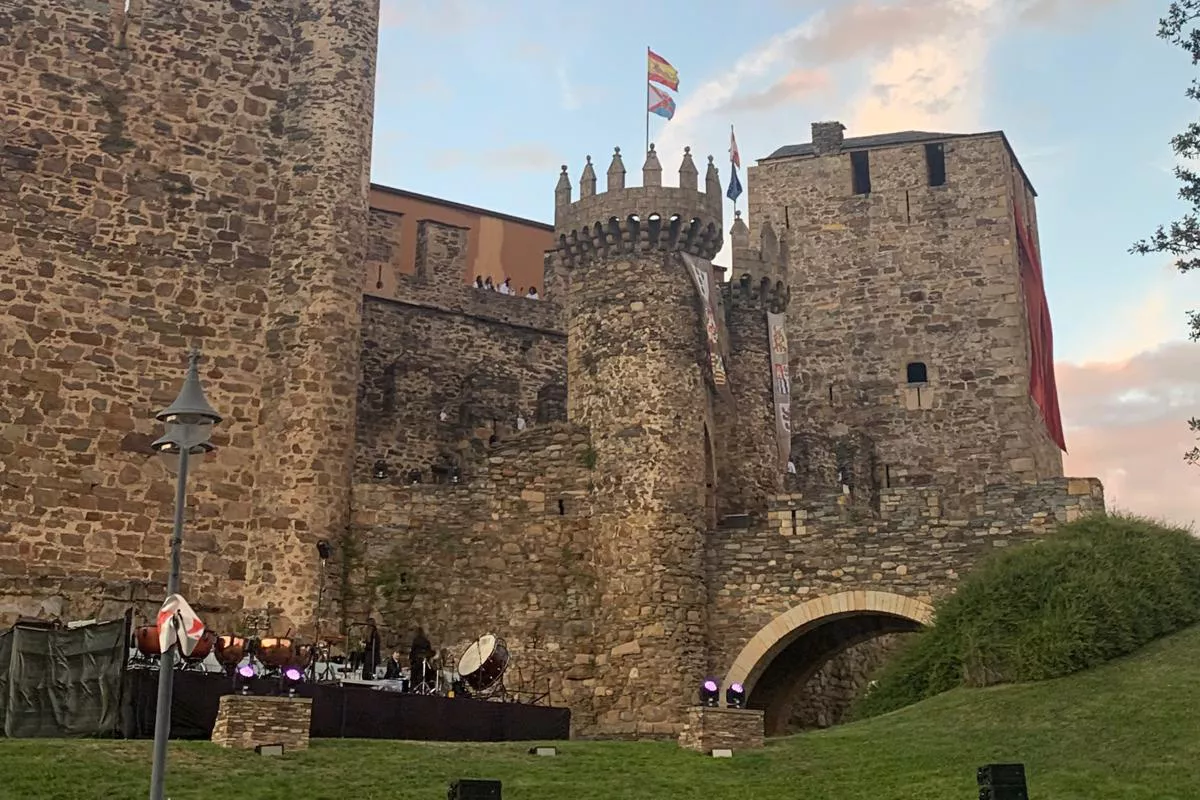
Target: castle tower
{"points": [[636, 379], [314, 306], [208, 162], [922, 310]]}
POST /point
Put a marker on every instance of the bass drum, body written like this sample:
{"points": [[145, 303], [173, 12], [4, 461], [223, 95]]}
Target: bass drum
{"points": [[483, 664]]}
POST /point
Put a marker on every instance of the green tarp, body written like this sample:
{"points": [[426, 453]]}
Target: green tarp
{"points": [[62, 683]]}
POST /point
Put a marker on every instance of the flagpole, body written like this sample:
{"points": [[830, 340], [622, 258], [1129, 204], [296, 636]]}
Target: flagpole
{"points": [[647, 148]]}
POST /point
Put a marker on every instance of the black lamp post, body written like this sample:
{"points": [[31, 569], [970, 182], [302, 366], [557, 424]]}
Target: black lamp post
{"points": [[189, 422]]}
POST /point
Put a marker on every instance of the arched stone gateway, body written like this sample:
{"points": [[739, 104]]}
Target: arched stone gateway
{"points": [[777, 663]]}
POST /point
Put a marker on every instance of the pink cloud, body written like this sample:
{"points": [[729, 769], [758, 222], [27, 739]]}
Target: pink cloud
{"points": [[1127, 425]]}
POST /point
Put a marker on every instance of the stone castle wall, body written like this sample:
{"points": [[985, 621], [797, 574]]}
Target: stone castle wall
{"points": [[481, 358], [750, 467], [162, 174], [912, 546], [509, 552], [911, 273]]}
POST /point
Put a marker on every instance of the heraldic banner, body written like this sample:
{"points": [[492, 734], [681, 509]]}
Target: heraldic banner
{"points": [[702, 276], [781, 384]]}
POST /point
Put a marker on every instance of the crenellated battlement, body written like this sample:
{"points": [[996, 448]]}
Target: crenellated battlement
{"points": [[769, 260], [639, 219], [765, 294]]}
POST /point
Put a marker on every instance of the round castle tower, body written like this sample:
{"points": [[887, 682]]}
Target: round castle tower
{"points": [[636, 378]]}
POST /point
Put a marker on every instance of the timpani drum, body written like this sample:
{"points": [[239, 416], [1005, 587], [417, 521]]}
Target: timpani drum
{"points": [[203, 647], [483, 664], [231, 650], [146, 638], [276, 652]]}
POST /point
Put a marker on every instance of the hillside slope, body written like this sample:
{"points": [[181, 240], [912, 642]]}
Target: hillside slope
{"points": [[1129, 730]]}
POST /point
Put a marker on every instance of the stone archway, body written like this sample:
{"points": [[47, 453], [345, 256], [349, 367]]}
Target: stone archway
{"points": [[777, 663]]}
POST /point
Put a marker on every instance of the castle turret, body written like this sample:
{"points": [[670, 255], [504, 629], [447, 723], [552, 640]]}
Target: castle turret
{"points": [[636, 377], [314, 303]]}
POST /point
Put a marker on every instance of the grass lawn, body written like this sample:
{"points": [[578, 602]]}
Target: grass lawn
{"points": [[1127, 731]]}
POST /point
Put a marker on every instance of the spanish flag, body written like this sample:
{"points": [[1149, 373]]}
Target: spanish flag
{"points": [[659, 70]]}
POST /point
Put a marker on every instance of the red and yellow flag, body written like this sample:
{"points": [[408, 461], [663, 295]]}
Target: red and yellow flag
{"points": [[659, 70]]}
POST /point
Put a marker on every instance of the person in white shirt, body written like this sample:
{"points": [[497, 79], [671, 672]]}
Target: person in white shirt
{"points": [[506, 287], [532, 293]]}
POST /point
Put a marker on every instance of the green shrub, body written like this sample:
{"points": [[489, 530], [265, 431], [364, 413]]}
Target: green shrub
{"points": [[1094, 590]]}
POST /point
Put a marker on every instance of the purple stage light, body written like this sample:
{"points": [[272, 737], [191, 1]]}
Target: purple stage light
{"points": [[292, 674], [246, 671], [737, 687], [710, 686]]}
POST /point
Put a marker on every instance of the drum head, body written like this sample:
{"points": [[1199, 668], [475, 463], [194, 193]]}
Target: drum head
{"points": [[476, 654]]}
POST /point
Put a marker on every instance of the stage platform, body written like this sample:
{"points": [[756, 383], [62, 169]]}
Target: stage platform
{"points": [[350, 712]]}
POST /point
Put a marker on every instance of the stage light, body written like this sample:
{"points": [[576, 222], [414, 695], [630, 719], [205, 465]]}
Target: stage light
{"points": [[710, 693], [246, 670], [292, 674], [324, 550], [381, 471], [735, 696]]}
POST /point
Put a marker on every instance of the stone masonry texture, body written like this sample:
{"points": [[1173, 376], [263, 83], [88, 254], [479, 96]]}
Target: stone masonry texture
{"points": [[558, 472], [709, 729], [905, 274], [246, 721], [189, 172]]}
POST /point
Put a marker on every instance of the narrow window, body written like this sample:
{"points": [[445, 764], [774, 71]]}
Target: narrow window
{"points": [[831, 394], [916, 372], [562, 508], [860, 167], [935, 161]]}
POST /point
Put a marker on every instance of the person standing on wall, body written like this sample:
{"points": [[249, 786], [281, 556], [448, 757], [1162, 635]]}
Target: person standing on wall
{"points": [[371, 650], [418, 658]]}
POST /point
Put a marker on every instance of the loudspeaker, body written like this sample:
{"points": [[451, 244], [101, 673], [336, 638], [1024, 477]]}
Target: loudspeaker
{"points": [[474, 790], [1000, 775], [1002, 782]]}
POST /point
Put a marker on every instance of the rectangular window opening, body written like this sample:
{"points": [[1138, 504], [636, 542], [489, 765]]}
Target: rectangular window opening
{"points": [[860, 169], [916, 372], [935, 162]]}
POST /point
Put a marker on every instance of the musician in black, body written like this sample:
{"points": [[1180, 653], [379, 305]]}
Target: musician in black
{"points": [[418, 657], [392, 671], [371, 650]]}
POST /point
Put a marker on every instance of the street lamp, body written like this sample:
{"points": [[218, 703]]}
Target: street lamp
{"points": [[189, 422]]}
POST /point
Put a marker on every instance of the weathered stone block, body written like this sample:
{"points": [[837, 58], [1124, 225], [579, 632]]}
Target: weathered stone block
{"points": [[246, 721], [707, 729]]}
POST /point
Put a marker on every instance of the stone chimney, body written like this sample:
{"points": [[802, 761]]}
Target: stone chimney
{"points": [[827, 137]]}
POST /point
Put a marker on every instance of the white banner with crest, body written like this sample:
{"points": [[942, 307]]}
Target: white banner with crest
{"points": [[702, 276], [781, 385]]}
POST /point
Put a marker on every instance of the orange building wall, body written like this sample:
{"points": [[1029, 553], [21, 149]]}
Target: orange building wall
{"points": [[497, 245]]}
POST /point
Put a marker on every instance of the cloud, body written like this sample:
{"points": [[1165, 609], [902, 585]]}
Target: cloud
{"points": [[868, 28], [567, 94], [1053, 12], [798, 83], [516, 158], [433, 16], [1127, 425]]}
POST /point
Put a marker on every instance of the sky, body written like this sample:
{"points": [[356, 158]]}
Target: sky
{"points": [[481, 102]]}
